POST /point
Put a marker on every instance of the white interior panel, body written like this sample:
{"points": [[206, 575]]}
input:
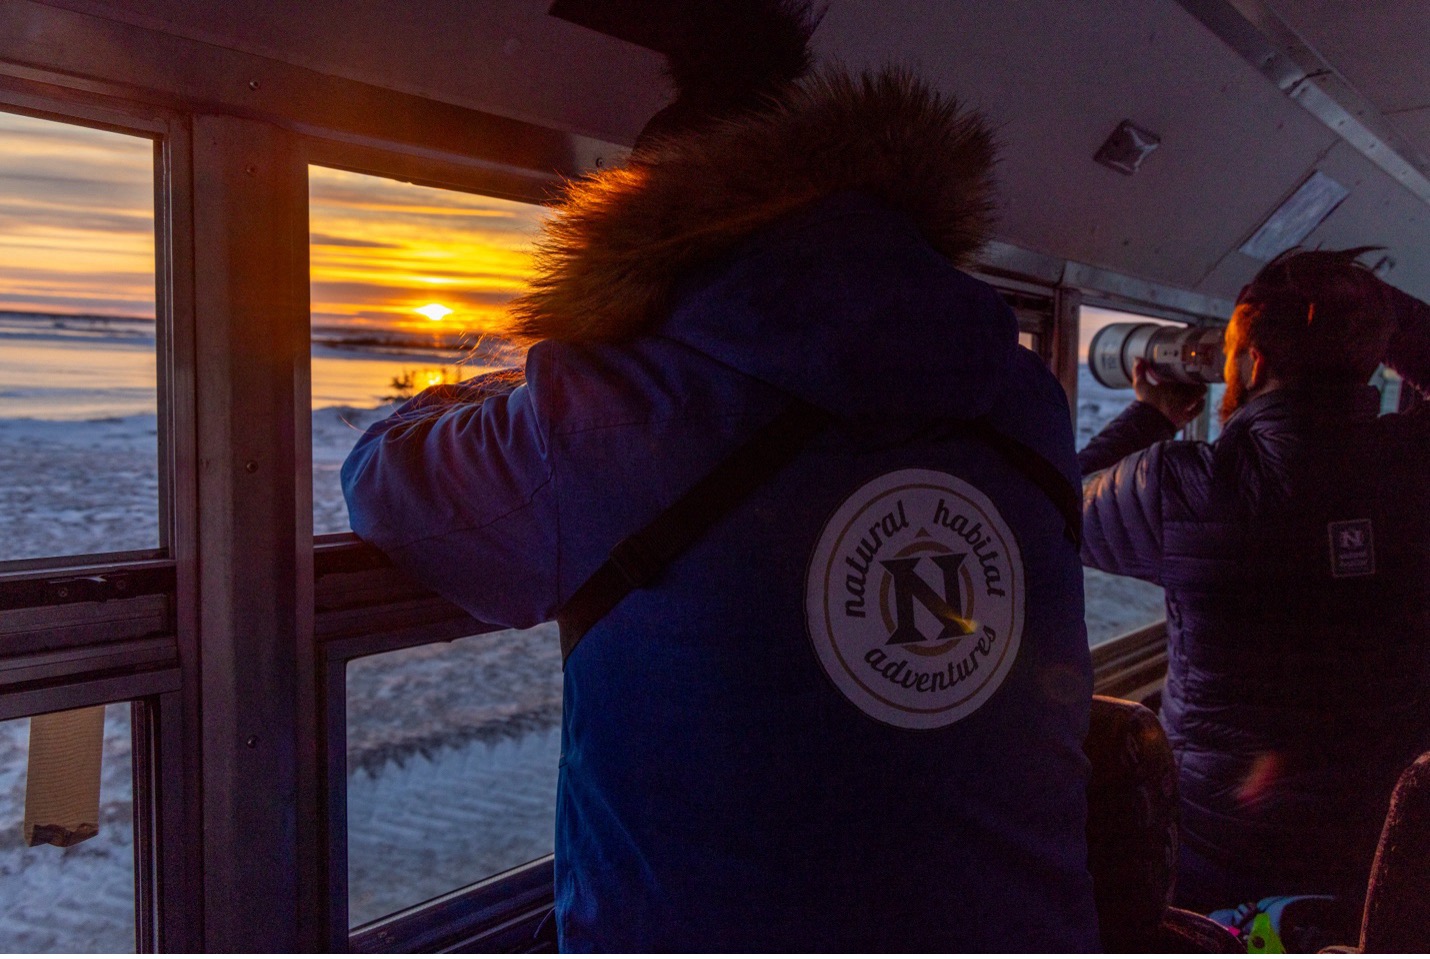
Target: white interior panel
{"points": [[1058, 76], [1376, 213], [1414, 125], [1381, 47]]}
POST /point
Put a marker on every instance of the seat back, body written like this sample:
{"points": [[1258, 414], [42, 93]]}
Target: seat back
{"points": [[1397, 902], [1132, 821]]}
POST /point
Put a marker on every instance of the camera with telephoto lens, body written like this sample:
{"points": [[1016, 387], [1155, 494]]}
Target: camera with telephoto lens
{"points": [[1175, 354]]}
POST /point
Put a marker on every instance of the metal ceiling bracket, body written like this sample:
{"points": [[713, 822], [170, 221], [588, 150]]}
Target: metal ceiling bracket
{"points": [[1254, 30], [1100, 286]]}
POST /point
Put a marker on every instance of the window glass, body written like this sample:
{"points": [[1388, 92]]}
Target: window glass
{"points": [[1388, 382], [1115, 604], [78, 438], [1215, 393], [78, 898], [452, 757], [409, 289]]}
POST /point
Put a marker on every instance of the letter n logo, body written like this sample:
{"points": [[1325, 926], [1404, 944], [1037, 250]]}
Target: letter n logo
{"points": [[910, 586]]}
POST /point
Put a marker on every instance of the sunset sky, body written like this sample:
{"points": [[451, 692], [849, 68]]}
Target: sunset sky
{"points": [[76, 219], [77, 236], [382, 250]]}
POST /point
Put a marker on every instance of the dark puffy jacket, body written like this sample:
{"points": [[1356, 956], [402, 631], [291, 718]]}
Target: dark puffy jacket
{"points": [[1295, 552]]}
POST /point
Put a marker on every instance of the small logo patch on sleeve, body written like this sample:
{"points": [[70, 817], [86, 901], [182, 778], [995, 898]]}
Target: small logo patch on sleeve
{"points": [[1352, 548]]}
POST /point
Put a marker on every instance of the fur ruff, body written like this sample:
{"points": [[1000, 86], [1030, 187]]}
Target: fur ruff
{"points": [[609, 261]]}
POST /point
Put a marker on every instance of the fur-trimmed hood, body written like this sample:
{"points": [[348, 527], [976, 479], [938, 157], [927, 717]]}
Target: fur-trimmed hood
{"points": [[815, 240], [610, 258]]}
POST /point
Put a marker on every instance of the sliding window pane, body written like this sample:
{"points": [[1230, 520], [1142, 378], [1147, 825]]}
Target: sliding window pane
{"points": [[410, 286], [57, 773], [1389, 383], [452, 757], [78, 400]]}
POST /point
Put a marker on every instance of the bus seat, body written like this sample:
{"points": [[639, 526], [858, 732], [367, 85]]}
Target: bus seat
{"points": [[1397, 905], [1132, 836]]}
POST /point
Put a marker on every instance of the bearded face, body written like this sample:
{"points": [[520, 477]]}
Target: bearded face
{"points": [[1237, 371], [1236, 389]]}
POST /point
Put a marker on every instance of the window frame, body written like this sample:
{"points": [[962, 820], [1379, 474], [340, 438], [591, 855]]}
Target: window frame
{"points": [[188, 870], [363, 607], [1130, 665], [168, 134], [93, 629]]}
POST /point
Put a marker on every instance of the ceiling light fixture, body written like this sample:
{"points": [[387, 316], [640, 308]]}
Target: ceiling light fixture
{"points": [[1127, 147], [1296, 217]]}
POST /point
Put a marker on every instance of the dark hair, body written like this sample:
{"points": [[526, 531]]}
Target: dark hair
{"points": [[729, 56], [1317, 315]]}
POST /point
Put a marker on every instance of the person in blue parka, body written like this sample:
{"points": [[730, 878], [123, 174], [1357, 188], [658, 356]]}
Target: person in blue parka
{"points": [[850, 715], [1295, 552]]}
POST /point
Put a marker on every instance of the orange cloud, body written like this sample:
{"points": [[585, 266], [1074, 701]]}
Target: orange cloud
{"points": [[76, 219], [77, 236], [381, 249]]}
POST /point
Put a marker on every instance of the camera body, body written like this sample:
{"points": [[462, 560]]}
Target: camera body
{"points": [[1176, 354]]}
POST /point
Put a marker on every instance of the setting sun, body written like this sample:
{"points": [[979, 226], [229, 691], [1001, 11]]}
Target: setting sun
{"points": [[435, 312], [378, 244]]}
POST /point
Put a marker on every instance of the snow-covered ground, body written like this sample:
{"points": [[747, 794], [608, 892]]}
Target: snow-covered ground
{"points": [[452, 747], [75, 487], [79, 899], [452, 755], [335, 430]]}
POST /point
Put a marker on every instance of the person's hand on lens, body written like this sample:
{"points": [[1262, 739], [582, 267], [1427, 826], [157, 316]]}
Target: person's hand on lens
{"points": [[1409, 345], [1179, 402]]}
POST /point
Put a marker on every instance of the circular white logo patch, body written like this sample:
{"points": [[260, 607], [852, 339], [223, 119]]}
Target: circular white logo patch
{"points": [[914, 599]]}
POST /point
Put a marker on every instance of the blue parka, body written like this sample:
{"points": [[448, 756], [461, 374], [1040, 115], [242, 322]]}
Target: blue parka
{"points": [[1295, 553], [722, 786]]}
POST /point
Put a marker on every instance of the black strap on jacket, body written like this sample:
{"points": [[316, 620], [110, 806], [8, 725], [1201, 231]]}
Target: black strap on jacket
{"points": [[638, 559], [1065, 496], [642, 556]]}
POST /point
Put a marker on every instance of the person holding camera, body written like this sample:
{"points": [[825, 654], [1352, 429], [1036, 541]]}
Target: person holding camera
{"points": [[1295, 554], [784, 472]]}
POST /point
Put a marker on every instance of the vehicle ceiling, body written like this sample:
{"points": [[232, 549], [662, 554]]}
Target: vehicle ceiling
{"points": [[1221, 82]]}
